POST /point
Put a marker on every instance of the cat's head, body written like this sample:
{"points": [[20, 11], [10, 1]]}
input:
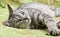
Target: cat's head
{"points": [[16, 17]]}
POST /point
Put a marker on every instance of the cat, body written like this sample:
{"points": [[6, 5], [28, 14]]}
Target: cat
{"points": [[32, 16]]}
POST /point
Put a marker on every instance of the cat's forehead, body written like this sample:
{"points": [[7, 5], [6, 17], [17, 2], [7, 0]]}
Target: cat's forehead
{"points": [[20, 11], [17, 11]]}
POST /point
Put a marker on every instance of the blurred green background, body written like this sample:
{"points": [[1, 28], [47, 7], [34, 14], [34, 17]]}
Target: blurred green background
{"points": [[13, 32]]}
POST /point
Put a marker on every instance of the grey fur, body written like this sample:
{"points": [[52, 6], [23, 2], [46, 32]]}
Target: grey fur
{"points": [[56, 10], [32, 15]]}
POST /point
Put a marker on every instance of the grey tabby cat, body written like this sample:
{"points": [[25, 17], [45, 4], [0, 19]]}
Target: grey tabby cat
{"points": [[34, 15]]}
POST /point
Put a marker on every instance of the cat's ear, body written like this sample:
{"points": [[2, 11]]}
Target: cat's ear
{"points": [[10, 9], [6, 23]]}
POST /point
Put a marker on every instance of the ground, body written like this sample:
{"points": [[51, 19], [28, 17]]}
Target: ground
{"points": [[13, 32]]}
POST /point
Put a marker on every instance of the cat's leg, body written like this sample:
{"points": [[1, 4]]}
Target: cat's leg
{"points": [[50, 23], [57, 13], [56, 10]]}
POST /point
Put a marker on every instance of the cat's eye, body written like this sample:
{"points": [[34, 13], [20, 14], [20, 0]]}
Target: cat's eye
{"points": [[12, 16], [22, 12]]}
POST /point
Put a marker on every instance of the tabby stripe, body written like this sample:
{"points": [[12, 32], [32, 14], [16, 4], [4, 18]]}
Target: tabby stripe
{"points": [[47, 18], [38, 17], [35, 14], [44, 17]]}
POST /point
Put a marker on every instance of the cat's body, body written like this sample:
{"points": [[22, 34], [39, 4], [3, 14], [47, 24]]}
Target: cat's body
{"points": [[36, 14]]}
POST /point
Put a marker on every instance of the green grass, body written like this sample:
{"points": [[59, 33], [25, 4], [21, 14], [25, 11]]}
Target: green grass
{"points": [[13, 32]]}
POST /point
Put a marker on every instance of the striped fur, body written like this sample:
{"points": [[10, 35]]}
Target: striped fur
{"points": [[56, 10], [34, 15]]}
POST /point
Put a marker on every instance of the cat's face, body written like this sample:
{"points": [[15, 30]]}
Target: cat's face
{"points": [[16, 18]]}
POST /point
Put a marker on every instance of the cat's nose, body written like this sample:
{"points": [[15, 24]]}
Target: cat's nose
{"points": [[25, 18]]}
